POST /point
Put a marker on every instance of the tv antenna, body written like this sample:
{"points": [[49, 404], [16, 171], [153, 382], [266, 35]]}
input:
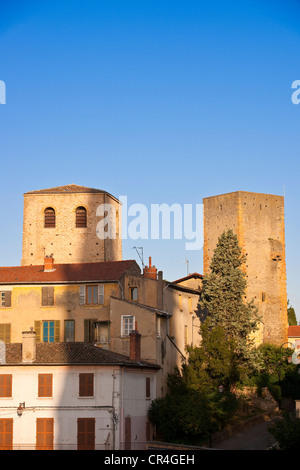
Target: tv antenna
{"points": [[140, 252]]}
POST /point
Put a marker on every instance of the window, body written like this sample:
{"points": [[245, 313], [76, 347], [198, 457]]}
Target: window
{"points": [[81, 217], [133, 293], [5, 385], [47, 331], [6, 298], [45, 385], [47, 296], [86, 433], [148, 391], [102, 332], [49, 220], [69, 330], [86, 385], [6, 433], [190, 305], [127, 325], [5, 332], [44, 434], [180, 302], [91, 295]]}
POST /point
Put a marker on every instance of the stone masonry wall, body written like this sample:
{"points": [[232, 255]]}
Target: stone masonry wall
{"points": [[258, 220]]}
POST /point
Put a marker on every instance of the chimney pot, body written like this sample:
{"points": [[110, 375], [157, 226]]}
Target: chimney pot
{"points": [[150, 271], [135, 346], [48, 263], [28, 346]]}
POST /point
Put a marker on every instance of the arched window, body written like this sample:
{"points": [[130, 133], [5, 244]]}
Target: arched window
{"points": [[81, 217], [49, 217]]}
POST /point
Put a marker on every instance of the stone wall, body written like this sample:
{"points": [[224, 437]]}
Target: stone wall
{"points": [[258, 221]]}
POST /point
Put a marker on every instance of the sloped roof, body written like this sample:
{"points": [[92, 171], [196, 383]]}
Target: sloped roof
{"points": [[73, 353], [69, 189], [72, 272], [190, 276], [294, 331]]}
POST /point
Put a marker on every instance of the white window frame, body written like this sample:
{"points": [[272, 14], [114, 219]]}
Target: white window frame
{"points": [[125, 329]]}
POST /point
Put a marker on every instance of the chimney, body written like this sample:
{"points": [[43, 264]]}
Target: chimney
{"points": [[135, 346], [28, 346], [150, 271], [48, 263]]}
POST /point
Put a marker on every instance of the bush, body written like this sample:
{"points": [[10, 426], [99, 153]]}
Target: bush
{"points": [[286, 431]]}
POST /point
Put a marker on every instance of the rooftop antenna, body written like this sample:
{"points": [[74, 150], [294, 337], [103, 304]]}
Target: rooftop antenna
{"points": [[187, 267], [141, 256]]}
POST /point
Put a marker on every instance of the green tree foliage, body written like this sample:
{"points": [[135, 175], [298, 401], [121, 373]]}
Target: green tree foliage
{"points": [[189, 414], [223, 299], [292, 320], [277, 372], [287, 432]]}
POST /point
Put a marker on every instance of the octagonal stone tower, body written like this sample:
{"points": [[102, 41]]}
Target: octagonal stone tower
{"points": [[63, 222]]}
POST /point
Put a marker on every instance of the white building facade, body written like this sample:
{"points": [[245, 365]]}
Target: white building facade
{"points": [[73, 396]]}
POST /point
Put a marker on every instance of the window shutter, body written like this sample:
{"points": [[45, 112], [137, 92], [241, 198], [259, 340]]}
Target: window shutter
{"points": [[44, 296], [37, 329], [88, 328], [50, 296], [101, 294], [82, 295], [47, 296], [6, 433], [56, 331], [8, 298], [44, 433], [86, 385], [147, 387], [5, 332]]}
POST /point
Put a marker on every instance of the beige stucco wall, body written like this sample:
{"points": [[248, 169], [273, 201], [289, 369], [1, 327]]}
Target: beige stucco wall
{"points": [[26, 309]]}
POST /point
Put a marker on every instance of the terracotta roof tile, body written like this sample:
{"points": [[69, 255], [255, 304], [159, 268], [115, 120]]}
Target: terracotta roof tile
{"points": [[294, 331], [69, 188], [70, 353], [73, 272]]}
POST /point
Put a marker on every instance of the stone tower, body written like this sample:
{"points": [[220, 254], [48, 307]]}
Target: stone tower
{"points": [[258, 221], [65, 223]]}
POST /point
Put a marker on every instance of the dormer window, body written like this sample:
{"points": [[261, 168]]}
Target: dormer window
{"points": [[81, 217], [49, 217]]}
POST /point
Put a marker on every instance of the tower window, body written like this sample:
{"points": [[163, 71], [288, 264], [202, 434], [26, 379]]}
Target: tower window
{"points": [[49, 217], [81, 217]]}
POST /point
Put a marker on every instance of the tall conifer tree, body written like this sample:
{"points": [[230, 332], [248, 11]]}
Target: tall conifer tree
{"points": [[223, 297]]}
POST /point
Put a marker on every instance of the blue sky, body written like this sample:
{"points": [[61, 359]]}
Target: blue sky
{"points": [[164, 101]]}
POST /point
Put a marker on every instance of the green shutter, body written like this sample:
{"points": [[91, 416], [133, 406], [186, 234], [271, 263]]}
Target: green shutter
{"points": [[57, 331], [5, 332], [37, 329]]}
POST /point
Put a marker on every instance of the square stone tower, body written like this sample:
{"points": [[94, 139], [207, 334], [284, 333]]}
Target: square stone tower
{"points": [[65, 222], [258, 221]]}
